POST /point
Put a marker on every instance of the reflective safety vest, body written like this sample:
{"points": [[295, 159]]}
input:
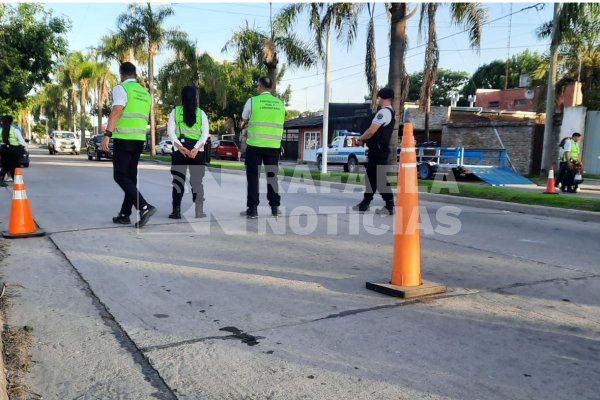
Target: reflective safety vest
{"points": [[134, 118], [574, 152], [265, 127], [12, 138], [183, 130]]}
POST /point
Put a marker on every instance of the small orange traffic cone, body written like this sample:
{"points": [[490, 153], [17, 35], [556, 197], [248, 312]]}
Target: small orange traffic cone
{"points": [[406, 279], [21, 223], [550, 186]]}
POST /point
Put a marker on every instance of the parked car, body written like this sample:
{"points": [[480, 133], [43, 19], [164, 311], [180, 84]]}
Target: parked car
{"points": [[344, 151], [224, 149], [95, 152], [164, 147], [63, 142]]}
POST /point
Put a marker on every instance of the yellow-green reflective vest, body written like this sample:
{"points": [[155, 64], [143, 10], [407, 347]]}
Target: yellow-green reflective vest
{"points": [[12, 137], [134, 118], [265, 127], [183, 130], [574, 152]]}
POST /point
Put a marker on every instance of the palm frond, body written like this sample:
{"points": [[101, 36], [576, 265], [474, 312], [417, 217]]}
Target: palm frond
{"points": [[471, 16]]}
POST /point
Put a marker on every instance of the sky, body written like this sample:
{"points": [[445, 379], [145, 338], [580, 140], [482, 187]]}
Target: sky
{"points": [[212, 24]]}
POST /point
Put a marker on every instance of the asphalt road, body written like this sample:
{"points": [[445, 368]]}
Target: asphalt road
{"points": [[225, 308]]}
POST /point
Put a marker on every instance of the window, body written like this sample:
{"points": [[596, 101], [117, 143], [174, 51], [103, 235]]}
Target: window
{"points": [[520, 102], [494, 104]]}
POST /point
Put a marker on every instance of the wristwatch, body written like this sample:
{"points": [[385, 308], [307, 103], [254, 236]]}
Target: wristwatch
{"points": [[107, 133]]}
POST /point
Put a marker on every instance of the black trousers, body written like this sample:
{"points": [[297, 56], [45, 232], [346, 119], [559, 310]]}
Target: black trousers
{"points": [[179, 167], [377, 178], [11, 157], [255, 156], [562, 170], [126, 155]]}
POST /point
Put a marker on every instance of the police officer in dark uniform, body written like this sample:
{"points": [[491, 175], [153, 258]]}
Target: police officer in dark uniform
{"points": [[377, 138]]}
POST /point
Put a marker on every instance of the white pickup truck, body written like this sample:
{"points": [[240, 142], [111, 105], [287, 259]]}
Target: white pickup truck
{"points": [[344, 151]]}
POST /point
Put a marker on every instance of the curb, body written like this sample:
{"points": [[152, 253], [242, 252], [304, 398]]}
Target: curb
{"points": [[543, 211]]}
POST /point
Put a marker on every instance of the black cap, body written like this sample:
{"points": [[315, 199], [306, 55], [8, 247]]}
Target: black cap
{"points": [[265, 82], [576, 134], [385, 93]]}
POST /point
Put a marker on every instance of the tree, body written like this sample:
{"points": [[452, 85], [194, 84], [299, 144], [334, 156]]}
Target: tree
{"points": [[471, 17], [397, 76], [31, 40], [343, 18], [492, 75], [141, 26], [104, 80], [371, 59], [254, 48], [446, 83]]}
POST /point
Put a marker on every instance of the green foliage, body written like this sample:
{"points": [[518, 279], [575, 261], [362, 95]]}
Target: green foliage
{"points": [[492, 75], [30, 41], [447, 81]]}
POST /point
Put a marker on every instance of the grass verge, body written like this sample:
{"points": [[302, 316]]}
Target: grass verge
{"points": [[464, 190]]}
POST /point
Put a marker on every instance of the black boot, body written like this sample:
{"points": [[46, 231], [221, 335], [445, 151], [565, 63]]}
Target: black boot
{"points": [[387, 210], [176, 214], [362, 206], [200, 210]]}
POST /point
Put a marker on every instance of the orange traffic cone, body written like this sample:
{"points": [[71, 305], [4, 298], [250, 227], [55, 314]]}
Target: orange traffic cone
{"points": [[21, 224], [406, 264], [550, 186]]}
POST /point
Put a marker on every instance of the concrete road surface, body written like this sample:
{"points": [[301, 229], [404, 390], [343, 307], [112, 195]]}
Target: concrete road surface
{"points": [[225, 308]]}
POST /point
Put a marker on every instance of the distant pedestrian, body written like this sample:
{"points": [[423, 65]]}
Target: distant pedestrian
{"points": [[11, 149], [264, 114], [565, 146], [377, 138], [188, 130], [129, 120], [571, 157]]}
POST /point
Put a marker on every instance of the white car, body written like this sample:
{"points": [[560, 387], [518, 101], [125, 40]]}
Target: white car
{"points": [[164, 147], [345, 151], [63, 142]]}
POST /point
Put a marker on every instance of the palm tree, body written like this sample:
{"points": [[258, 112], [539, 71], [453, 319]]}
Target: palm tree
{"points": [[371, 59], [68, 73], [254, 47], [141, 26], [397, 76], [471, 16], [85, 79], [567, 18], [343, 17], [104, 80]]}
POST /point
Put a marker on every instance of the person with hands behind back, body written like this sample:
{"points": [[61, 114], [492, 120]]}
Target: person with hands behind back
{"points": [[188, 130]]}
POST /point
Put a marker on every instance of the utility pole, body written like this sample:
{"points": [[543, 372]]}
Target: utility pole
{"points": [[326, 104], [508, 49], [547, 150]]}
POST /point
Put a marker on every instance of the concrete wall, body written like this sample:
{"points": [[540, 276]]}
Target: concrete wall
{"points": [[437, 118], [516, 136], [573, 121], [591, 143]]}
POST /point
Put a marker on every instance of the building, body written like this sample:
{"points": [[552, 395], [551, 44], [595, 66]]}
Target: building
{"points": [[519, 99]]}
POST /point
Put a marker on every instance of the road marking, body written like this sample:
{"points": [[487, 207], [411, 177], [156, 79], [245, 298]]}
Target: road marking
{"points": [[532, 241]]}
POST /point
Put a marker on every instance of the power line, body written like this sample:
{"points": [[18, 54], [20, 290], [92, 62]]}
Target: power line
{"points": [[221, 12], [424, 44]]}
